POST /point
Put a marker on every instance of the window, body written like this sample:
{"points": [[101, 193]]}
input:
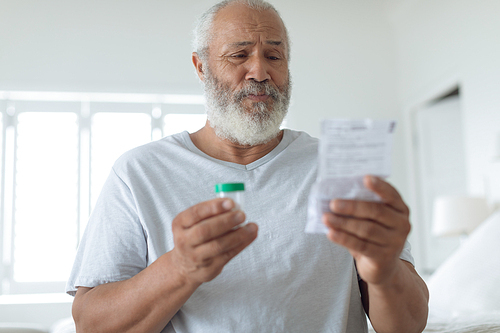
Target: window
{"points": [[191, 122], [46, 195], [109, 141], [56, 151]]}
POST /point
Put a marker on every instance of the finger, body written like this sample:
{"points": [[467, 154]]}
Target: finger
{"points": [[213, 266], [353, 243], [386, 192], [214, 227], [227, 245], [369, 231], [228, 255], [202, 211], [374, 211]]}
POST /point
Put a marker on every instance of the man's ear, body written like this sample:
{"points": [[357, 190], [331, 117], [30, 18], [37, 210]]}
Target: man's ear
{"points": [[198, 65]]}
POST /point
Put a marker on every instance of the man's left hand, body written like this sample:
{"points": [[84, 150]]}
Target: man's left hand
{"points": [[373, 232]]}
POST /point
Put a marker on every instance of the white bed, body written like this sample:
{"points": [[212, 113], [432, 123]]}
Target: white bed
{"points": [[62, 326], [465, 290], [467, 324]]}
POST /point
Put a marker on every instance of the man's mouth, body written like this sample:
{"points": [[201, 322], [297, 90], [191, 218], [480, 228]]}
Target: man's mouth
{"points": [[258, 97]]}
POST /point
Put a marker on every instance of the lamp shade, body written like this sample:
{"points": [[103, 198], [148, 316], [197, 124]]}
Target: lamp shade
{"points": [[458, 215]]}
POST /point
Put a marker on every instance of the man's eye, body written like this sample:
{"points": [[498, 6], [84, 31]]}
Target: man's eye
{"points": [[274, 58], [238, 56]]}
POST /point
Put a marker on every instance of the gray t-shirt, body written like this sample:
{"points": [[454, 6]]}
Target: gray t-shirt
{"points": [[285, 281]]}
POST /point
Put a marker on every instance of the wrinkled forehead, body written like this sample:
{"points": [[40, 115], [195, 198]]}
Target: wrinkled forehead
{"points": [[237, 23]]}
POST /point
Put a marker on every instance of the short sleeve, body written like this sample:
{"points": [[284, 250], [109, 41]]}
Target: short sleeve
{"points": [[406, 254], [114, 246]]}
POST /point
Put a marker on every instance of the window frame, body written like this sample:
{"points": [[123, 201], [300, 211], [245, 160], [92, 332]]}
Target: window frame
{"points": [[85, 105]]}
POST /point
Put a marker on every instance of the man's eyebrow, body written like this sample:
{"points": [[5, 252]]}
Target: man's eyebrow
{"points": [[240, 44], [274, 42], [246, 43]]}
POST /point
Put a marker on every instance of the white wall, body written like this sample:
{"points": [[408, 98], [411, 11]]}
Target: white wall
{"points": [[124, 46], [454, 40], [342, 55], [440, 44], [343, 67]]}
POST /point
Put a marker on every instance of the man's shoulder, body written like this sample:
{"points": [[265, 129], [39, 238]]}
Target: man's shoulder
{"points": [[300, 152], [152, 152], [302, 142]]}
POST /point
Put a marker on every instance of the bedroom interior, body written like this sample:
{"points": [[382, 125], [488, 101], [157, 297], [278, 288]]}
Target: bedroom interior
{"points": [[432, 65]]}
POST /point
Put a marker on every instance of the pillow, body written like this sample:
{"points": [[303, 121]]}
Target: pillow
{"points": [[468, 282], [66, 325], [20, 328]]}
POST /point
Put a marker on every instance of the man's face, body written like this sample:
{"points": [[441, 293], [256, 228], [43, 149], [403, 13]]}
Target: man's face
{"points": [[246, 77]]}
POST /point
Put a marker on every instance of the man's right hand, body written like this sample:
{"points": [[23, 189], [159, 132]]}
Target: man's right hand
{"points": [[205, 239]]}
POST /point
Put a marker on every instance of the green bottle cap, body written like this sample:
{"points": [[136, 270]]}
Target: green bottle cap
{"points": [[229, 187]]}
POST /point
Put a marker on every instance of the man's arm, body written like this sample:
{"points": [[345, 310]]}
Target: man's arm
{"points": [[394, 296], [404, 304], [204, 242]]}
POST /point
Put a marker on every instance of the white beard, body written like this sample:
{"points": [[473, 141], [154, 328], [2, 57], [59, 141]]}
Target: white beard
{"points": [[233, 121]]}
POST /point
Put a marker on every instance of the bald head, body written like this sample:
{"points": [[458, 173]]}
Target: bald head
{"points": [[204, 32]]}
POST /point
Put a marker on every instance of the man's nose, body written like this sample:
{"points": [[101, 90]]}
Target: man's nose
{"points": [[258, 69]]}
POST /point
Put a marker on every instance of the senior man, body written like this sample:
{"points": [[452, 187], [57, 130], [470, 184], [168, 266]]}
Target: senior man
{"points": [[159, 255]]}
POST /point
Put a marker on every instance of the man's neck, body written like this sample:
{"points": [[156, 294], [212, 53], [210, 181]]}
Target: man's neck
{"points": [[208, 142]]}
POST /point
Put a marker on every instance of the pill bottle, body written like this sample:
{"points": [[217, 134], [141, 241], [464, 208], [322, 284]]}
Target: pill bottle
{"points": [[234, 191]]}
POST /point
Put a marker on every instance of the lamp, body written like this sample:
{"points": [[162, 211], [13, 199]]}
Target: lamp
{"points": [[492, 177], [458, 215]]}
